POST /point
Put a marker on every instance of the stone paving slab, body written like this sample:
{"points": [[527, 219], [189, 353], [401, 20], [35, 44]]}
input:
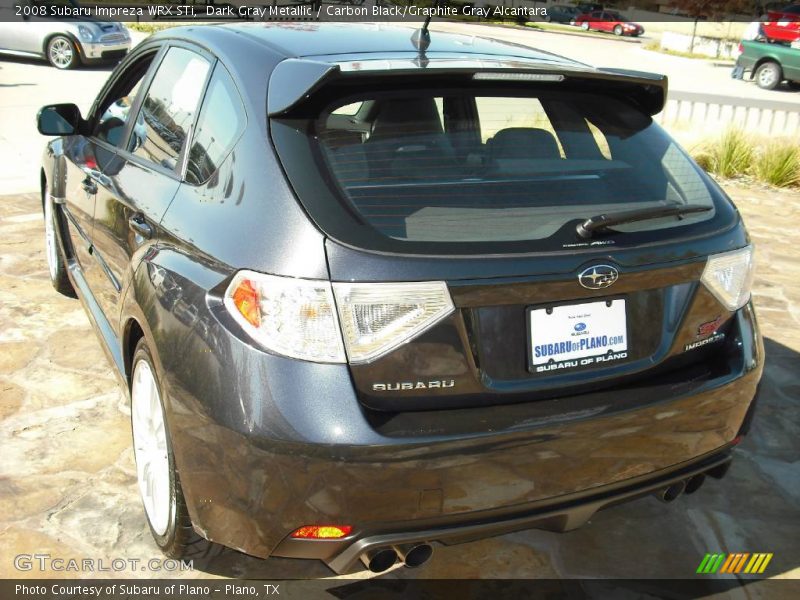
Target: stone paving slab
{"points": [[67, 478]]}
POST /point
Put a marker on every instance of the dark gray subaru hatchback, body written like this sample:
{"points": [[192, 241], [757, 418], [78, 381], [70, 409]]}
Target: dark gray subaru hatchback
{"points": [[369, 294]]}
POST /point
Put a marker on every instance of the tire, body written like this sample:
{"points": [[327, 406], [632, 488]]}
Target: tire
{"points": [[585, 25], [56, 264], [164, 503], [618, 30], [768, 75], [62, 53]]}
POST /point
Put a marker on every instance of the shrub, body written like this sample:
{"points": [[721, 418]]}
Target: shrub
{"points": [[731, 155], [778, 164]]}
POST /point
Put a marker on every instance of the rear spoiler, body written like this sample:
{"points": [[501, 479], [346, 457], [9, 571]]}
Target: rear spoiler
{"points": [[295, 80]]}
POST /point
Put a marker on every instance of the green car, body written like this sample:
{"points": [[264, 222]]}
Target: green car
{"points": [[769, 64]]}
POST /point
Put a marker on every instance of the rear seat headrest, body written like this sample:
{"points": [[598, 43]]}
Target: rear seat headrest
{"points": [[524, 142]]}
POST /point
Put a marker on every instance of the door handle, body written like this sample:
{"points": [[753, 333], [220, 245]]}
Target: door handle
{"points": [[89, 186], [141, 227]]}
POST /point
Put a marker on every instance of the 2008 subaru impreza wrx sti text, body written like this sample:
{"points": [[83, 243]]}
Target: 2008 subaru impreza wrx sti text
{"points": [[368, 297]]}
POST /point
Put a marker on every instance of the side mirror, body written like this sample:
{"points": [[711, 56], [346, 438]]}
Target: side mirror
{"points": [[59, 119]]}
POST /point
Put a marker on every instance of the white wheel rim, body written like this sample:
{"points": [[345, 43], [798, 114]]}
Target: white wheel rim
{"points": [[150, 448], [61, 52], [767, 76], [50, 235]]}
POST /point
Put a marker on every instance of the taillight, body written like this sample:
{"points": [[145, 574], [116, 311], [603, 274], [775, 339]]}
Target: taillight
{"points": [[245, 299], [322, 532], [299, 318], [729, 277], [292, 317], [376, 318]]}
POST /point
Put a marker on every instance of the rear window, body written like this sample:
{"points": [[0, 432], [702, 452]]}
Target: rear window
{"points": [[495, 168], [486, 167]]}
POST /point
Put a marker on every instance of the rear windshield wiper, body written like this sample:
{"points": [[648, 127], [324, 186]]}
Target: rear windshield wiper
{"points": [[604, 221]]}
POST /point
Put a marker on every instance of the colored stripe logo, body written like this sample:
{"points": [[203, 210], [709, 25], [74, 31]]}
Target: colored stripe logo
{"points": [[736, 562]]}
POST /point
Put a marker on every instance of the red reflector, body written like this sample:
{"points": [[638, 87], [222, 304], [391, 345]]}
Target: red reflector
{"points": [[737, 440], [245, 298], [322, 532]]}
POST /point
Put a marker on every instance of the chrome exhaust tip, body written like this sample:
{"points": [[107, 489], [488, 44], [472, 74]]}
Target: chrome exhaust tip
{"points": [[694, 483], [414, 555], [671, 493], [719, 471], [379, 560]]}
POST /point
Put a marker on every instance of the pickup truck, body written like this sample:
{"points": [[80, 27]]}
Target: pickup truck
{"points": [[769, 64]]}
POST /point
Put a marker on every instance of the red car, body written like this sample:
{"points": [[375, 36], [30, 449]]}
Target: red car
{"points": [[608, 20], [783, 25]]}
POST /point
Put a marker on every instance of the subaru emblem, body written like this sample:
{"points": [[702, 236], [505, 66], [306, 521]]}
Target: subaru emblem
{"points": [[598, 277]]}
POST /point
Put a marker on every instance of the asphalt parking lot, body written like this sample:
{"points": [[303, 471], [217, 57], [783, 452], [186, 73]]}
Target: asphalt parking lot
{"points": [[68, 485], [67, 477]]}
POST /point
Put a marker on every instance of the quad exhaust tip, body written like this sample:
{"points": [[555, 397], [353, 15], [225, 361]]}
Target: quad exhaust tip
{"points": [[671, 493], [694, 483], [380, 559], [414, 555], [688, 486], [411, 555]]}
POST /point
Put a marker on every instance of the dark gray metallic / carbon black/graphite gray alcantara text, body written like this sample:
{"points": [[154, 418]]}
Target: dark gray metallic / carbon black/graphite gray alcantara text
{"points": [[367, 298]]}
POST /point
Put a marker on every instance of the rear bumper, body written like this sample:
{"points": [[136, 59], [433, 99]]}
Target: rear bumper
{"points": [[287, 445], [560, 514]]}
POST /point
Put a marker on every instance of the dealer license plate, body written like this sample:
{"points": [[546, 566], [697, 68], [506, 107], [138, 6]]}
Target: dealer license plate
{"points": [[578, 335]]}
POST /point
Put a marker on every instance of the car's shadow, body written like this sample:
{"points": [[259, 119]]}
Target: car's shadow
{"points": [[230, 563]]}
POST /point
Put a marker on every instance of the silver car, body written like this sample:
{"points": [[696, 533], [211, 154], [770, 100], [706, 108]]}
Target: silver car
{"points": [[64, 43]]}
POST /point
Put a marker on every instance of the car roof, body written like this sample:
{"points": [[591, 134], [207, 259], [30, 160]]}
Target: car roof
{"points": [[299, 57], [326, 41]]}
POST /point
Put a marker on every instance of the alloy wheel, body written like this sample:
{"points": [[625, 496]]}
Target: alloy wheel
{"points": [[61, 53], [150, 448], [50, 235], [767, 77]]}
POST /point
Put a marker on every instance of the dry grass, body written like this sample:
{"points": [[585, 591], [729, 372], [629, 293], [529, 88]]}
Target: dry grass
{"points": [[735, 154], [778, 164]]}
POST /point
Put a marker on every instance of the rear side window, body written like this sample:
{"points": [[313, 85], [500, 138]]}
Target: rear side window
{"points": [[169, 108], [480, 167], [222, 121]]}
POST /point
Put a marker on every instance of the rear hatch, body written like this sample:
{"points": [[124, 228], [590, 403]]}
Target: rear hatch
{"points": [[480, 178]]}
